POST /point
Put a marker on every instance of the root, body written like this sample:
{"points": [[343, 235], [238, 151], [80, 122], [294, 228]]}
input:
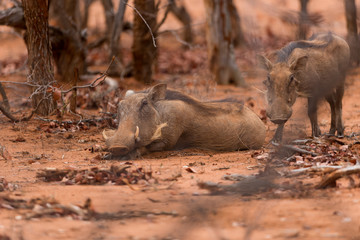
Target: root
{"points": [[330, 180]]}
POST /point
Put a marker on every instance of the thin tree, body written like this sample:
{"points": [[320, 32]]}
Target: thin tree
{"points": [[70, 56], [84, 21], [183, 16], [109, 16], [219, 41], [237, 32], [39, 54], [143, 49], [115, 33], [303, 19], [352, 35]]}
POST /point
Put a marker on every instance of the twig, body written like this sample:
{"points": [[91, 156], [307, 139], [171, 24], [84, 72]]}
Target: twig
{"points": [[94, 83], [177, 37], [21, 83], [294, 149], [330, 179], [14, 119], [97, 43], [152, 35], [163, 19]]}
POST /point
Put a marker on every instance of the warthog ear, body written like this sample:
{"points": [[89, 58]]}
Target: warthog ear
{"points": [[264, 62], [158, 92], [299, 64]]}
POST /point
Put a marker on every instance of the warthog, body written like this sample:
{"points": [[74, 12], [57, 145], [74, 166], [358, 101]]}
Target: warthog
{"points": [[313, 68], [159, 119]]}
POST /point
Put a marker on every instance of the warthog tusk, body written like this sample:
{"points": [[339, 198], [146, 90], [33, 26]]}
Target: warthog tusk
{"points": [[157, 134], [104, 135], [137, 132]]}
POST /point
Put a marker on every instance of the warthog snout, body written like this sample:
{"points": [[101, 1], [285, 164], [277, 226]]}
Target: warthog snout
{"points": [[279, 112], [119, 150], [278, 120], [121, 142]]}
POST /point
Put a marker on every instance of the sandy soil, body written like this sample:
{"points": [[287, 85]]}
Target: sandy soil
{"points": [[171, 205]]}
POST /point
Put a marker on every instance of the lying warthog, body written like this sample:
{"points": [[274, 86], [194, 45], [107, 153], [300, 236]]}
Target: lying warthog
{"points": [[159, 119], [314, 69]]}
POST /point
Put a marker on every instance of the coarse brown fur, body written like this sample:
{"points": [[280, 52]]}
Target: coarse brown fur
{"points": [[314, 69], [168, 119]]}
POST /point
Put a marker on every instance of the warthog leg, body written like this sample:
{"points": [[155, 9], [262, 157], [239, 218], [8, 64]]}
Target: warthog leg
{"points": [[312, 113], [331, 101], [338, 110]]}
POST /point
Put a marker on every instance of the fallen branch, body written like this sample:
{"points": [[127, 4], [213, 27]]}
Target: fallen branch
{"points": [[14, 119], [315, 169], [330, 180], [294, 149]]}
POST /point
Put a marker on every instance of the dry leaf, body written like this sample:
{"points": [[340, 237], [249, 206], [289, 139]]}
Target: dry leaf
{"points": [[189, 169], [4, 153]]}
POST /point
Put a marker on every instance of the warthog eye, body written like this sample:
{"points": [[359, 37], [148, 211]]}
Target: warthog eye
{"points": [[267, 82], [144, 102], [291, 79]]}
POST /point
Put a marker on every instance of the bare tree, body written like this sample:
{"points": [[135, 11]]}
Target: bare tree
{"points": [[143, 49], [109, 16], [219, 40], [115, 32], [303, 19], [183, 16], [351, 25], [85, 18], [39, 54], [237, 32], [70, 52]]}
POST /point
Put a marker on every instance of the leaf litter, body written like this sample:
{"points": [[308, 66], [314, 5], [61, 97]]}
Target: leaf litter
{"points": [[50, 207], [96, 176], [327, 157]]}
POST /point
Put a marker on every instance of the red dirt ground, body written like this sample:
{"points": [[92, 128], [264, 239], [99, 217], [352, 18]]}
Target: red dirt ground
{"points": [[173, 205]]}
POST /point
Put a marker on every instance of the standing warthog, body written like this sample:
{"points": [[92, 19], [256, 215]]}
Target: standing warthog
{"points": [[159, 119], [314, 69]]}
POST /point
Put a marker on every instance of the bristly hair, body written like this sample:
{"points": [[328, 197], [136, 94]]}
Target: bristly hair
{"points": [[284, 53], [203, 107]]}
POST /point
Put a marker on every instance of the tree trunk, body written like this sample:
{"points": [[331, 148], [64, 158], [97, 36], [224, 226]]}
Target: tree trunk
{"points": [[304, 20], [143, 50], [184, 17], [351, 25], [219, 41], [117, 67], [39, 54], [84, 21], [237, 32], [109, 17], [71, 55]]}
